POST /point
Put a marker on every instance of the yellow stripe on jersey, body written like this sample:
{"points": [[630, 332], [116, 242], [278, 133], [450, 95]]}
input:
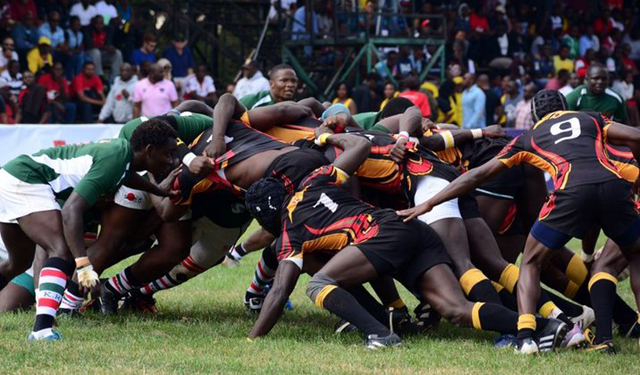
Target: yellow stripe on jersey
{"points": [[293, 203], [245, 118], [291, 135], [335, 241], [341, 177], [378, 168], [627, 171]]}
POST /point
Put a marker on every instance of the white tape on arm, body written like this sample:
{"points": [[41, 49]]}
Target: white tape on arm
{"points": [[188, 158]]}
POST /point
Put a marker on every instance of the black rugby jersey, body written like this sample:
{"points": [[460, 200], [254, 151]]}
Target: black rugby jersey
{"points": [[570, 146]]}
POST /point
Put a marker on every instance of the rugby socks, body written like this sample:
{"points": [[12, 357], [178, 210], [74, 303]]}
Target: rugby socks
{"points": [[492, 317], [478, 288], [527, 325], [509, 277], [72, 299], [238, 252], [122, 282], [576, 272], [264, 273], [369, 303], [569, 308], [53, 279], [508, 299], [602, 287], [343, 304], [549, 310], [185, 270]]}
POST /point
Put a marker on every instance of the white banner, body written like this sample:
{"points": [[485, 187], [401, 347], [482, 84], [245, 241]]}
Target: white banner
{"points": [[27, 139]]}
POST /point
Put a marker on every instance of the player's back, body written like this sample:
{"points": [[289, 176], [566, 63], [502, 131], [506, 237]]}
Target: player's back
{"points": [[571, 146]]}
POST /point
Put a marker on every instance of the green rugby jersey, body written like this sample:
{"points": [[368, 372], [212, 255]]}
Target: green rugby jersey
{"points": [[609, 103], [366, 120], [260, 99], [188, 125], [91, 170]]}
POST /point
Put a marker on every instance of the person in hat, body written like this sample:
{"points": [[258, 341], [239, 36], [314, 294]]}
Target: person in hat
{"points": [[40, 58], [252, 81]]}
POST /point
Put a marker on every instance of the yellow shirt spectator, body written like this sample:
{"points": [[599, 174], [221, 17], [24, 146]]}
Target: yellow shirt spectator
{"points": [[562, 60], [40, 55]]}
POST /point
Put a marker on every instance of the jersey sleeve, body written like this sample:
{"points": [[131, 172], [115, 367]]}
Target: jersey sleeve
{"points": [[513, 153], [325, 175], [572, 100], [289, 246], [104, 176]]}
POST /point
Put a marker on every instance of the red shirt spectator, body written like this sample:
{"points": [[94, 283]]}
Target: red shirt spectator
{"points": [[47, 81], [99, 38], [478, 23], [18, 9], [602, 26], [81, 83], [419, 99]]}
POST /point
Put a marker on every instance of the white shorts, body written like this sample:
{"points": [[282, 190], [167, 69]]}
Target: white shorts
{"points": [[427, 187], [211, 242], [19, 199], [133, 198]]}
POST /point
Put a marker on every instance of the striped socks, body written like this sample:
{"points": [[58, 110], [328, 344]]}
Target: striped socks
{"points": [[181, 273], [53, 279], [72, 300], [262, 277], [122, 282], [237, 252]]}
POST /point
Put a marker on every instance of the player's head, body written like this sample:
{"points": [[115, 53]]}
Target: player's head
{"points": [[155, 142], [283, 82], [545, 102], [264, 201], [395, 106]]}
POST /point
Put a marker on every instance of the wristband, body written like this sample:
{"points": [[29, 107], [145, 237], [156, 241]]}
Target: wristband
{"points": [[175, 110], [476, 133], [188, 158], [322, 139], [82, 262], [403, 134], [449, 141]]}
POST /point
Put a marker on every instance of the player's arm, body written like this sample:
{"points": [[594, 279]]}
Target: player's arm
{"points": [[283, 284], [228, 107], [457, 137], [410, 122], [356, 150], [265, 118], [194, 106], [163, 189], [623, 135], [314, 104], [460, 186]]}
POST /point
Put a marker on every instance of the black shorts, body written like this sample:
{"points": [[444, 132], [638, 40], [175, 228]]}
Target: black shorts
{"points": [[505, 185], [294, 166], [575, 210], [405, 251], [468, 207]]}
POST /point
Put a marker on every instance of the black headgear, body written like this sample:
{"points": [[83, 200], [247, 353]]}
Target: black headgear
{"points": [[264, 201], [545, 102]]}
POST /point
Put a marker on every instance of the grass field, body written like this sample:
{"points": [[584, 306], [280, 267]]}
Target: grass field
{"points": [[203, 328]]}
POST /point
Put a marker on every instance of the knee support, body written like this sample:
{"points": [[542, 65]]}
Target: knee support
{"points": [[319, 287]]}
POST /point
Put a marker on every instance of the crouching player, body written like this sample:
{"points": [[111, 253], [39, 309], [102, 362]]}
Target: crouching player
{"points": [[30, 214], [368, 243]]}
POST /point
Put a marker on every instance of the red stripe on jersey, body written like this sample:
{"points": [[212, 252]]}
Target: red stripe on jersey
{"points": [[558, 162], [507, 148], [53, 272], [601, 152], [286, 248], [549, 205], [622, 154], [340, 224], [48, 302]]}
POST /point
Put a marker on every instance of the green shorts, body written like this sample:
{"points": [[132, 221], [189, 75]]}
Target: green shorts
{"points": [[380, 128], [26, 281]]}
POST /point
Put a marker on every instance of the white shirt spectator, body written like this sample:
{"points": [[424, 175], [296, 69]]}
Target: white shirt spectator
{"points": [[85, 15], [15, 84], [4, 61], [624, 89], [566, 90], [117, 105], [252, 85], [108, 11], [204, 89]]}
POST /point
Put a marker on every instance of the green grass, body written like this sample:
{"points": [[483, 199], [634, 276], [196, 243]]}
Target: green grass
{"points": [[203, 328]]}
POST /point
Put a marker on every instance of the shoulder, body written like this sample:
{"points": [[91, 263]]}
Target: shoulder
{"points": [[612, 93]]}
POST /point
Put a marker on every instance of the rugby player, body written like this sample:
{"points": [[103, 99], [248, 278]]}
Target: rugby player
{"points": [[30, 214], [589, 189], [368, 243]]}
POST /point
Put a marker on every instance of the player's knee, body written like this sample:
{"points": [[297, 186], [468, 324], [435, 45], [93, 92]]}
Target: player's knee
{"points": [[457, 314], [318, 286]]}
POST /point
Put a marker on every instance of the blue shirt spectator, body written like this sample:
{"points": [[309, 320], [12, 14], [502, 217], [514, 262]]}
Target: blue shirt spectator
{"points": [[589, 41], [180, 57], [473, 104], [299, 28], [146, 52], [52, 30], [25, 34], [75, 36]]}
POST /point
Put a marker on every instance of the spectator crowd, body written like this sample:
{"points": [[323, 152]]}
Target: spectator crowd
{"points": [[87, 61]]}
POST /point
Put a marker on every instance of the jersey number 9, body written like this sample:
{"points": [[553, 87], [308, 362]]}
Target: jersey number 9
{"points": [[573, 130]]}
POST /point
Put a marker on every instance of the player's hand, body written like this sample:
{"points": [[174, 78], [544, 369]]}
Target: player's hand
{"points": [[166, 186], [412, 213], [338, 121], [493, 131], [215, 148], [323, 129], [427, 124], [88, 279], [399, 150], [202, 166]]}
